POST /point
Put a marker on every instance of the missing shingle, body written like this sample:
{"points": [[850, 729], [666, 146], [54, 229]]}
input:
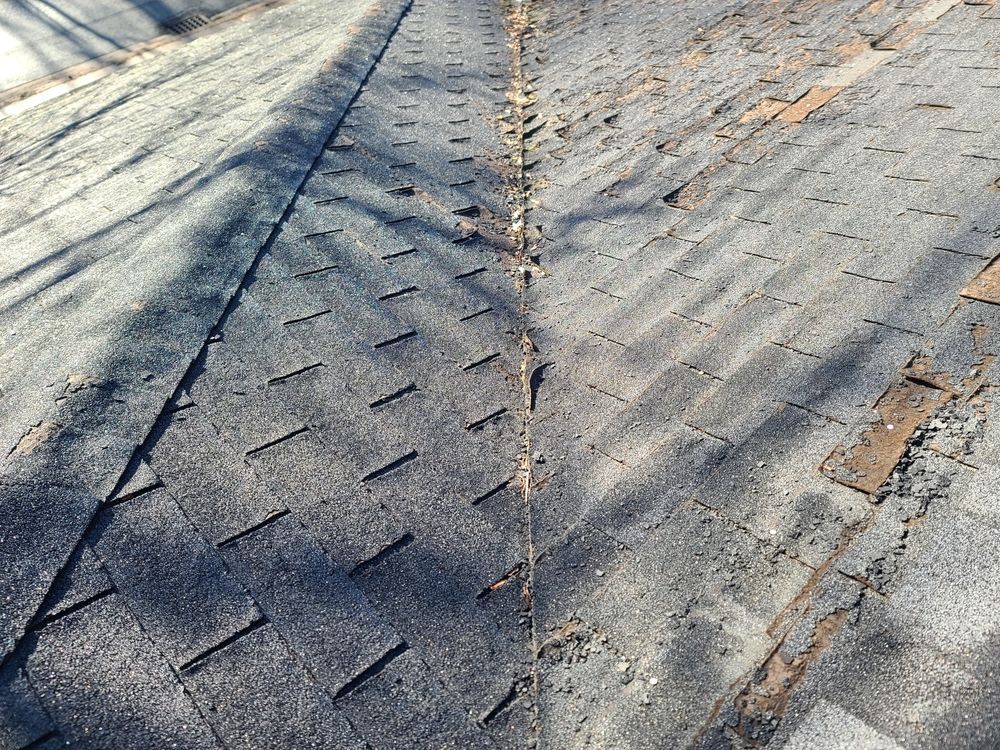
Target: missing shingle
{"points": [[684, 198], [867, 462]]}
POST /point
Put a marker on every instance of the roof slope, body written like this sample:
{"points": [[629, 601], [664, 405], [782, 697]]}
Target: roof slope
{"points": [[131, 212], [592, 374], [758, 224], [42, 37]]}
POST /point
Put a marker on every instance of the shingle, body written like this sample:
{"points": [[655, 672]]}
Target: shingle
{"points": [[82, 579], [257, 677], [135, 306], [318, 610], [722, 296], [171, 578], [327, 498], [35, 547], [106, 685], [405, 705], [23, 721], [219, 491], [434, 614]]}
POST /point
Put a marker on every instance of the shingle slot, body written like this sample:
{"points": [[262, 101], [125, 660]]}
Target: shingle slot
{"points": [[276, 441], [399, 293], [488, 418], [300, 371], [39, 624], [393, 222], [477, 314], [396, 339], [391, 466], [373, 671], [403, 191], [399, 254], [473, 272], [411, 388], [303, 274], [276, 516], [304, 318], [492, 493], [479, 362], [388, 551], [255, 625]]}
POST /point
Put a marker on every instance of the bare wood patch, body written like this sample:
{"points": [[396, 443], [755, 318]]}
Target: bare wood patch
{"points": [[985, 287], [33, 438], [921, 370], [693, 59], [765, 109], [766, 697], [901, 409], [808, 103]]}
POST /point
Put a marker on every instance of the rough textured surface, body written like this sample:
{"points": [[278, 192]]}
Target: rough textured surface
{"points": [[612, 380], [40, 37], [130, 216]]}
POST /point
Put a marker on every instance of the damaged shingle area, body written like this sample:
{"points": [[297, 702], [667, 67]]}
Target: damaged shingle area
{"points": [[509, 374]]}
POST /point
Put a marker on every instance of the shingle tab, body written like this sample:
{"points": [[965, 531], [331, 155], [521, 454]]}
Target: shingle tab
{"points": [[132, 698], [171, 578], [316, 607], [255, 694]]}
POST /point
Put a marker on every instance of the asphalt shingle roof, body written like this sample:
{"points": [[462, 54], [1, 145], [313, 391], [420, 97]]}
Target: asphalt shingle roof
{"points": [[591, 374]]}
